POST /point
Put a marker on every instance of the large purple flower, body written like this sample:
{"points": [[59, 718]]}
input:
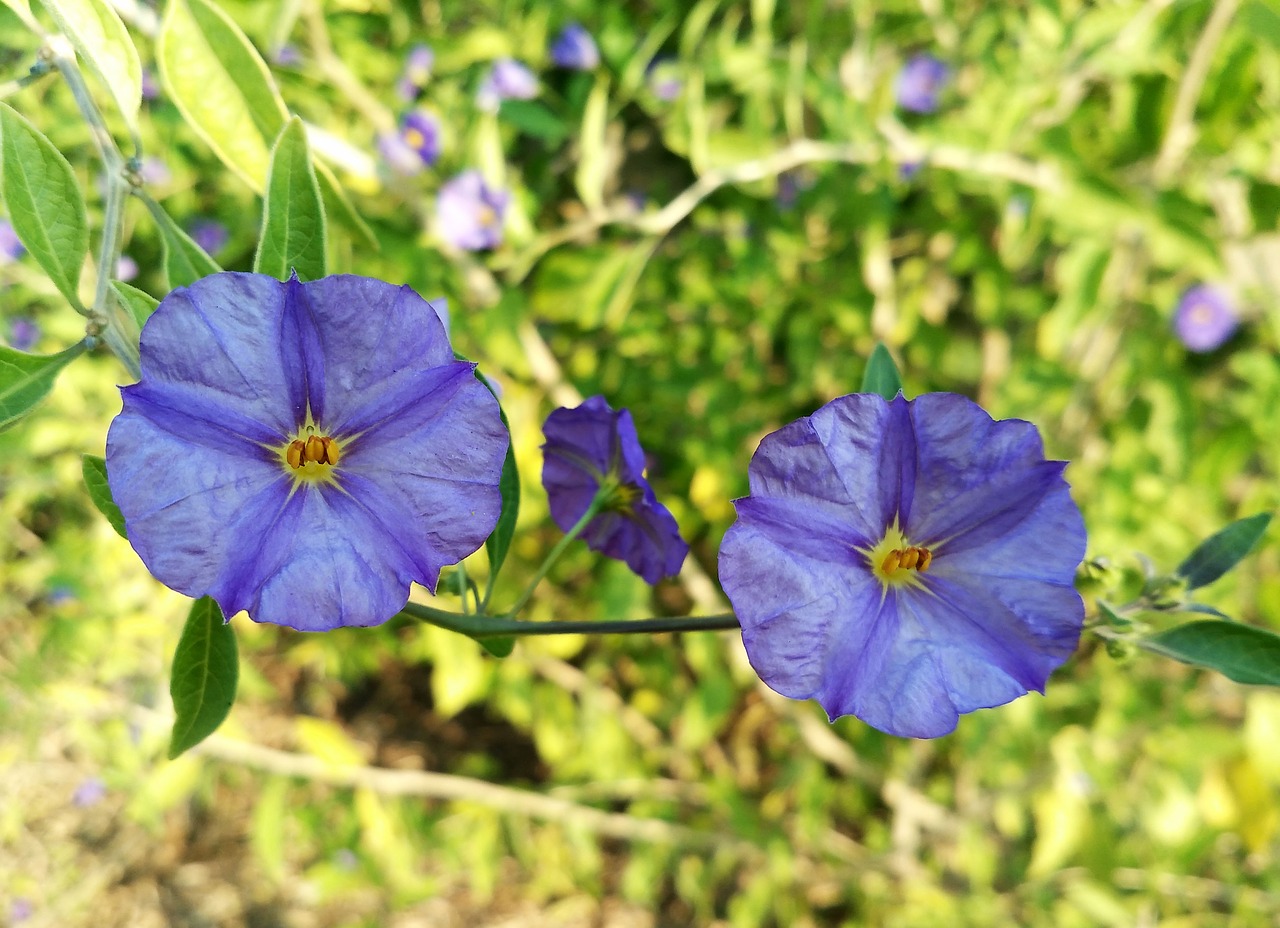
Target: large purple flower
{"points": [[1205, 318], [592, 446], [302, 451], [905, 561], [469, 212]]}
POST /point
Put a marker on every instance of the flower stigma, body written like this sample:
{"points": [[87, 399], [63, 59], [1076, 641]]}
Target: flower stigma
{"points": [[895, 560]]}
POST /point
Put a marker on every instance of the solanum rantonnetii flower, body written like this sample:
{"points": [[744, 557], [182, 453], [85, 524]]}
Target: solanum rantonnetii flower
{"points": [[417, 72], [507, 79], [574, 48], [919, 82], [590, 447], [415, 146], [303, 451], [210, 235], [469, 213], [1205, 318], [905, 561], [11, 249]]}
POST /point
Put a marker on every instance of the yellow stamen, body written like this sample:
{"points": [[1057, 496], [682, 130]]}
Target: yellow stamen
{"points": [[310, 456], [895, 560]]}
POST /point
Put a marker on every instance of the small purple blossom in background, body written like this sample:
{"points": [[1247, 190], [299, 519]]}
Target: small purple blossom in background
{"points": [[575, 48], [11, 248], [150, 86], [417, 72], [415, 146], [23, 334], [210, 235], [507, 79], [919, 82], [592, 446], [89, 793], [126, 269], [1205, 318], [20, 909], [664, 79], [905, 562], [908, 170], [287, 56], [469, 212], [154, 171], [303, 451]]}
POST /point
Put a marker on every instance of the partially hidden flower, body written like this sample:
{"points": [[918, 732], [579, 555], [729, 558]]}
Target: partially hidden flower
{"points": [[20, 909], [154, 171], [590, 447], [417, 72], [664, 78], [575, 48], [469, 213], [150, 85], [210, 235], [23, 333], [11, 248], [919, 83], [126, 268], [90, 792], [905, 562], [303, 451], [507, 79], [1205, 318], [415, 146]]}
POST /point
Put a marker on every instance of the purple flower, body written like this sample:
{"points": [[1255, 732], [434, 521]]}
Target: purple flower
{"points": [[150, 86], [905, 561], [508, 79], [89, 793], [417, 71], [11, 249], [23, 333], [575, 48], [288, 56], [415, 146], [1205, 318], [592, 447], [469, 212], [210, 235], [302, 451], [919, 82], [20, 909], [126, 268], [154, 171], [664, 79]]}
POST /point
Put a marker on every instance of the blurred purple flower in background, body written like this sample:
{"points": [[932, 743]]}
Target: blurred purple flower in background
{"points": [[470, 213], [20, 909], [1205, 318], [150, 86], [11, 249], [303, 451], [592, 446], [575, 48], [126, 268], [417, 72], [89, 793], [919, 82], [507, 79], [210, 235], [415, 146], [664, 78], [154, 171], [23, 334], [287, 56], [905, 561]]}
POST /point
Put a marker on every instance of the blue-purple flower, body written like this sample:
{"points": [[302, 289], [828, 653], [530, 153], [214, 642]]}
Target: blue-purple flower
{"points": [[303, 451], [575, 48], [469, 213], [905, 561], [89, 793], [664, 78], [919, 82], [126, 268], [11, 248], [210, 235], [1205, 318], [415, 146], [417, 72], [23, 333], [507, 79], [591, 447]]}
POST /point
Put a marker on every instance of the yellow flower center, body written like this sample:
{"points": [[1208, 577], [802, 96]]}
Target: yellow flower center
{"points": [[895, 560], [623, 498], [310, 457], [414, 139]]}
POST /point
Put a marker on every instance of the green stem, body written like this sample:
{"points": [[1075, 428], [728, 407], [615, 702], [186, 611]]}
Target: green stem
{"points": [[481, 626], [601, 497]]}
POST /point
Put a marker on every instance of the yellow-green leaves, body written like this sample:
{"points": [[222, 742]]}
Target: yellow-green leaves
{"points": [[101, 40], [185, 262], [206, 669], [221, 86], [26, 379], [293, 219], [44, 201], [94, 470]]}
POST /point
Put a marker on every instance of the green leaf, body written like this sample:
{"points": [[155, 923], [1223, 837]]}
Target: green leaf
{"points": [[94, 469], [185, 262], [101, 39], [499, 645], [23, 11], [593, 159], [26, 379], [499, 541], [293, 219], [139, 304], [221, 86], [205, 671], [1241, 652], [533, 118], [1218, 553], [881, 375], [339, 206], [44, 202]]}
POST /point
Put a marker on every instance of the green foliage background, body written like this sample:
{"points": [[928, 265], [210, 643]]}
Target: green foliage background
{"points": [[1067, 197]]}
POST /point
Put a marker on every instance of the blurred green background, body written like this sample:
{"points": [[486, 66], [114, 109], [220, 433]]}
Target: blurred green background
{"points": [[675, 244]]}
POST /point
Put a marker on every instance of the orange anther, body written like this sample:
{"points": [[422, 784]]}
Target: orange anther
{"points": [[910, 557], [315, 450], [330, 450], [926, 558], [295, 453], [891, 562]]}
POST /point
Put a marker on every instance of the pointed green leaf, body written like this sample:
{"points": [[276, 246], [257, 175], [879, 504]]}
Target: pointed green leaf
{"points": [[185, 262], [205, 671], [44, 202], [26, 379], [139, 304], [533, 118], [1241, 652], [221, 86], [498, 646], [101, 39], [339, 206], [293, 219], [1218, 553], [881, 375], [94, 469], [593, 159]]}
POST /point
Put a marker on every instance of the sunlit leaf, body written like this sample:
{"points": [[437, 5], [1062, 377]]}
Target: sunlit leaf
{"points": [[293, 223], [139, 304], [1221, 551], [1241, 652], [185, 262], [593, 159], [205, 672], [44, 201], [101, 39], [26, 379], [94, 470]]}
